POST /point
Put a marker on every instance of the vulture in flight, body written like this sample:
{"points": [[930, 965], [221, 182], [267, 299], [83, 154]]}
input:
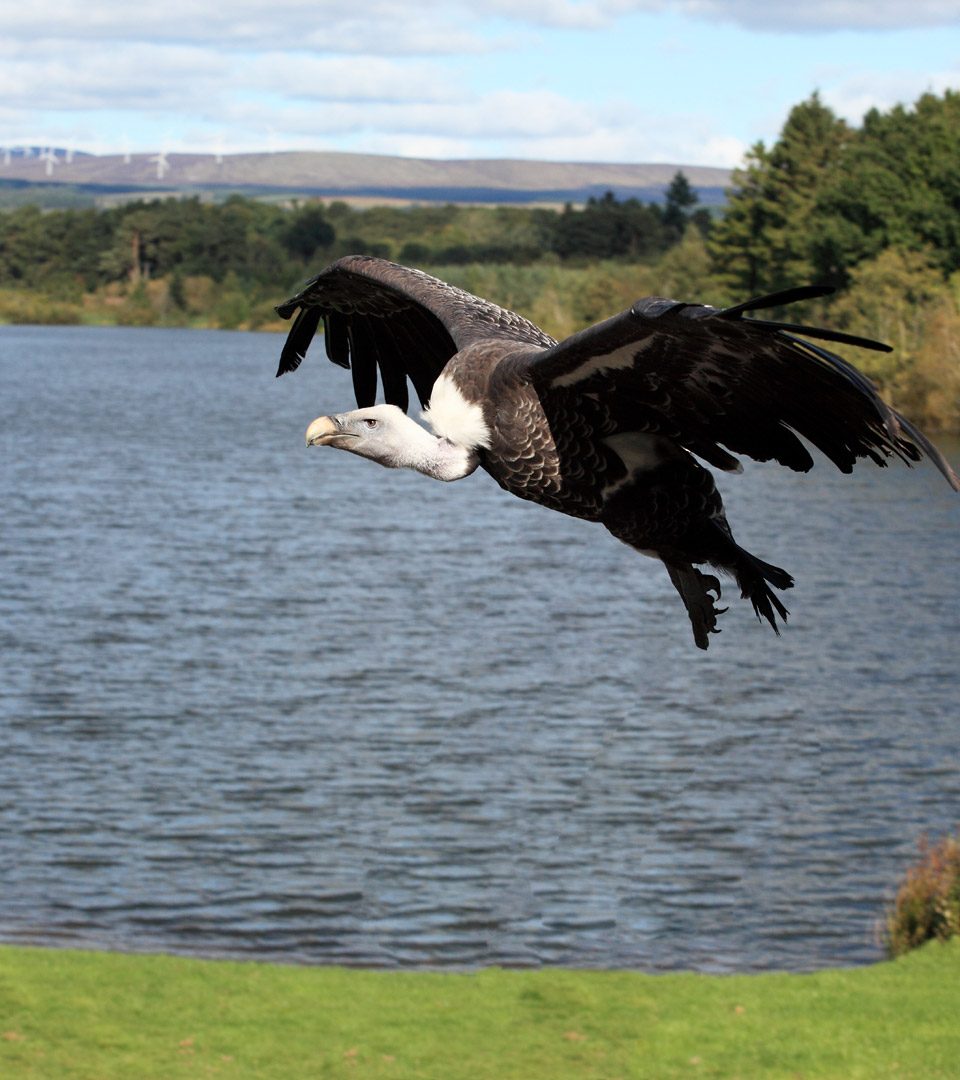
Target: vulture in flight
{"points": [[610, 425]]}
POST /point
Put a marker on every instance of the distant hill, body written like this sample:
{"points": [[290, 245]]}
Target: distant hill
{"points": [[367, 177]]}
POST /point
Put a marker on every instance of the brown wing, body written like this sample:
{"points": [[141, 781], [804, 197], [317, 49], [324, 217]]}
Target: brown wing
{"points": [[381, 316], [717, 382]]}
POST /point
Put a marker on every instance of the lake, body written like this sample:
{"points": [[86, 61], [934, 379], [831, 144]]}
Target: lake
{"points": [[263, 701]]}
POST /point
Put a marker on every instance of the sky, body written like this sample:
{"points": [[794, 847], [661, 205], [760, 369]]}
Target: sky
{"points": [[692, 82]]}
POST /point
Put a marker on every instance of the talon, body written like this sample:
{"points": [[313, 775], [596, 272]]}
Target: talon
{"points": [[711, 585]]}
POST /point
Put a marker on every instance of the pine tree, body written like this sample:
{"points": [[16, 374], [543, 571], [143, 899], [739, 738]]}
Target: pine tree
{"points": [[764, 239], [899, 186], [738, 244], [679, 198]]}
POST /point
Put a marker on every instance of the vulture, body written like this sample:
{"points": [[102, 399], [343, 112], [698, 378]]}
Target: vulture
{"points": [[610, 425]]}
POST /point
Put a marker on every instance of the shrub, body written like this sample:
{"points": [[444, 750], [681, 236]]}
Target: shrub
{"points": [[24, 306], [927, 904]]}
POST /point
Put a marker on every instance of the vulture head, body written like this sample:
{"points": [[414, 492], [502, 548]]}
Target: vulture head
{"points": [[385, 434]]}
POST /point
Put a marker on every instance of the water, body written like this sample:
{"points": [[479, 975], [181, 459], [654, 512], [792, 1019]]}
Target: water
{"points": [[264, 701]]}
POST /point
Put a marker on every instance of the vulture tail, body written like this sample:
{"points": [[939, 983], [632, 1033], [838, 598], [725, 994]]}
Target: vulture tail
{"points": [[752, 576]]}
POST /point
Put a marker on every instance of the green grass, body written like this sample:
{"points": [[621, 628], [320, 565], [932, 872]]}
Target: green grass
{"points": [[66, 1014]]}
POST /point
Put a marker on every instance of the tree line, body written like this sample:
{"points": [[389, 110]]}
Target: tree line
{"points": [[873, 210], [270, 244]]}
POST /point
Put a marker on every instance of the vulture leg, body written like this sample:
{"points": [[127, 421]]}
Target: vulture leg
{"points": [[674, 511], [699, 593]]}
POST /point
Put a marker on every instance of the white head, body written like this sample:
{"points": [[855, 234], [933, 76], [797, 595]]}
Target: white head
{"points": [[385, 434]]}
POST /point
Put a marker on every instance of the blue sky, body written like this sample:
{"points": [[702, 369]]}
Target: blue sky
{"points": [[679, 81]]}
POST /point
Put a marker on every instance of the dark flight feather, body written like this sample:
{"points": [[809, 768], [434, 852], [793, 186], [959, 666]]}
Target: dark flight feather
{"points": [[777, 299], [336, 339], [298, 340]]}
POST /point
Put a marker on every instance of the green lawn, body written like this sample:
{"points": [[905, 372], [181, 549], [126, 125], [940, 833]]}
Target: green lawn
{"points": [[66, 1014]]}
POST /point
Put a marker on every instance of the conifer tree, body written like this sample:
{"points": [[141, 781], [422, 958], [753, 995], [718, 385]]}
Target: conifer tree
{"points": [[899, 187], [764, 240], [678, 200]]}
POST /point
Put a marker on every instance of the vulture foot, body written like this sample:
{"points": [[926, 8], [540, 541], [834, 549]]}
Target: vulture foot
{"points": [[699, 593]]}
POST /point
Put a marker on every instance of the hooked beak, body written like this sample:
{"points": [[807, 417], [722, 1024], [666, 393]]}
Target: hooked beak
{"points": [[324, 430]]}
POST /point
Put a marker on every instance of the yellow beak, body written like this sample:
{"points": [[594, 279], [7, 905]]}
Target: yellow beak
{"points": [[323, 430]]}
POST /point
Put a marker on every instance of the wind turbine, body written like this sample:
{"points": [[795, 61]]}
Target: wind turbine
{"points": [[6, 155], [49, 157], [161, 162]]}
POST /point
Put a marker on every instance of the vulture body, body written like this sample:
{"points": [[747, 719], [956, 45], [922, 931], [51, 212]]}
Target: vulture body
{"points": [[607, 425]]}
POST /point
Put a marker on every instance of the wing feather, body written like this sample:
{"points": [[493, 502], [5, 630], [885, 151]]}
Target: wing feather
{"points": [[298, 340], [719, 382], [380, 315], [335, 338], [363, 362]]}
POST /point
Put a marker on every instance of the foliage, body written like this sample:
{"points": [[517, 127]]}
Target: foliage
{"points": [[140, 241], [764, 241], [187, 262], [560, 298], [900, 297], [897, 184], [927, 904], [87, 1015], [263, 243], [607, 227], [678, 212], [22, 306], [935, 378], [685, 272], [826, 197]]}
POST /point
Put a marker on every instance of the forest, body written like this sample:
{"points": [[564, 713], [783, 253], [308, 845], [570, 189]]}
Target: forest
{"points": [[873, 210]]}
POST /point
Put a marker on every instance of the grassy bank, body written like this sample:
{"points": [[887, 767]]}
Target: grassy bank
{"points": [[66, 1014]]}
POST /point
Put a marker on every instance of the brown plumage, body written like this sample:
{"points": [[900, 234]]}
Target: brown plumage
{"points": [[608, 424]]}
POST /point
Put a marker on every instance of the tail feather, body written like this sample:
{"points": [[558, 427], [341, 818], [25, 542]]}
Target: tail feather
{"points": [[752, 576]]}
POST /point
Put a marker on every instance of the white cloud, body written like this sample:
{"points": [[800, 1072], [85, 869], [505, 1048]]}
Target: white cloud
{"points": [[200, 81], [432, 147], [853, 96], [782, 15], [358, 79], [826, 15], [429, 27], [138, 76], [522, 125], [576, 14], [380, 27], [497, 116], [650, 141]]}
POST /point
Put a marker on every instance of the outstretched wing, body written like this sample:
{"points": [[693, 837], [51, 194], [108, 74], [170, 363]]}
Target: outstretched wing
{"points": [[381, 316], [716, 382]]}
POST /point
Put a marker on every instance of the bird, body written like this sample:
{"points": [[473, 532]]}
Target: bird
{"points": [[617, 424]]}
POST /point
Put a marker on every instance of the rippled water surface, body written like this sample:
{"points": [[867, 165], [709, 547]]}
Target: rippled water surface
{"points": [[258, 700]]}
